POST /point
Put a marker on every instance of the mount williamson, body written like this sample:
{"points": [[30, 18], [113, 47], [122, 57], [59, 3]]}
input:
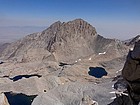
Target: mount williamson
{"points": [[63, 42]]}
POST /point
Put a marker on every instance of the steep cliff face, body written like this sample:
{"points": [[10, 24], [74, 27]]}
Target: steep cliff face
{"points": [[64, 42], [75, 39]]}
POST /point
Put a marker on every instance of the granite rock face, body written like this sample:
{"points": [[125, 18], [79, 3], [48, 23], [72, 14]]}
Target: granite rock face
{"points": [[78, 93], [3, 99]]}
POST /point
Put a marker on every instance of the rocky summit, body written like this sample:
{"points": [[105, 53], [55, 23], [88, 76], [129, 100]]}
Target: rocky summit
{"points": [[132, 40], [63, 42], [69, 63]]}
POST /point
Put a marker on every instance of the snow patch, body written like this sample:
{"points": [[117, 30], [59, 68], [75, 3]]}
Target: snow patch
{"points": [[113, 92], [120, 70], [113, 86], [95, 83], [102, 53], [89, 59], [131, 49], [76, 61], [79, 59], [94, 102], [112, 98], [119, 93], [117, 71]]}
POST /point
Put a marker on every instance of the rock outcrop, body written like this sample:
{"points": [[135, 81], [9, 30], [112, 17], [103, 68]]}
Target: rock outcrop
{"points": [[127, 85], [77, 93], [3, 99]]}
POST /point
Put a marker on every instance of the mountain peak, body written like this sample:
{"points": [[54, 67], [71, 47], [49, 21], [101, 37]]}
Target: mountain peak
{"points": [[65, 42], [78, 20], [56, 23], [132, 41]]}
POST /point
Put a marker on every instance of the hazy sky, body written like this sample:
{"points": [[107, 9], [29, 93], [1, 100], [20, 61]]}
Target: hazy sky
{"points": [[112, 18]]}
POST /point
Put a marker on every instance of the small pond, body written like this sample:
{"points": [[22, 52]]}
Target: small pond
{"points": [[19, 99], [97, 72], [16, 78]]}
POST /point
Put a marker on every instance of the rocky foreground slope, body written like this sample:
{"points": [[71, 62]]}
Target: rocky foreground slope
{"points": [[60, 65]]}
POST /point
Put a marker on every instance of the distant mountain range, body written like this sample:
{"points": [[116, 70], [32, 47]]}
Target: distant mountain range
{"points": [[12, 33]]}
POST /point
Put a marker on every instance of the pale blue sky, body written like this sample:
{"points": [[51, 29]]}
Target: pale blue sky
{"points": [[112, 18]]}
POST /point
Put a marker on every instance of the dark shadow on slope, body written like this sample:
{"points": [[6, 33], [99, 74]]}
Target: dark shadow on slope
{"points": [[122, 100], [16, 78], [65, 64], [62, 64], [97, 72], [19, 99]]}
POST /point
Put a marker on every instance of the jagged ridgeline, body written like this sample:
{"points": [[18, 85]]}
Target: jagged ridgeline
{"points": [[63, 42]]}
